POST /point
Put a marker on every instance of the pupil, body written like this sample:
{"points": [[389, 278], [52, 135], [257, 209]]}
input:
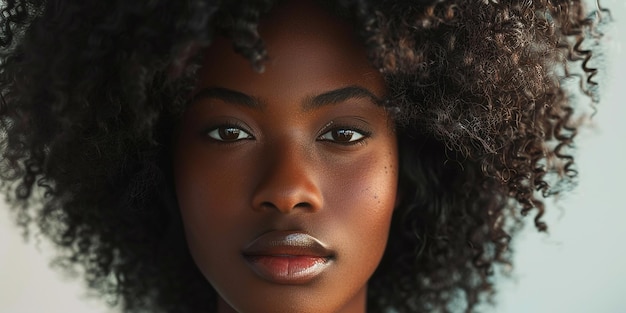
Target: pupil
{"points": [[229, 133], [342, 135]]}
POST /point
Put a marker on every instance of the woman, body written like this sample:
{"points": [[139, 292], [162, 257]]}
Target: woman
{"points": [[296, 156]]}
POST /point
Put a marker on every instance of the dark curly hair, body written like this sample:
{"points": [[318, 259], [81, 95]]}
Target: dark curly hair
{"points": [[92, 90]]}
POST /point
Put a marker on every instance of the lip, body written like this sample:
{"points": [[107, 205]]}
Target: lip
{"points": [[287, 257]]}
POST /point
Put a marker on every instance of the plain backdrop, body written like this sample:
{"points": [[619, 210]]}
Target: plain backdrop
{"points": [[579, 267]]}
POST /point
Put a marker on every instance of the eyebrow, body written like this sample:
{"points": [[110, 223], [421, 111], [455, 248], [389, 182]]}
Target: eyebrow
{"points": [[310, 103], [338, 96], [227, 95]]}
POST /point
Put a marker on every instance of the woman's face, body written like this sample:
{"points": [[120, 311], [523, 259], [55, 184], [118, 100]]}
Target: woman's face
{"points": [[286, 180]]}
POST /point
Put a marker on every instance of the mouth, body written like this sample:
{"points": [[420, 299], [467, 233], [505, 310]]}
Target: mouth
{"points": [[287, 257]]}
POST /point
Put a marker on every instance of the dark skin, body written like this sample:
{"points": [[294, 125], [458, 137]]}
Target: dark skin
{"points": [[302, 148]]}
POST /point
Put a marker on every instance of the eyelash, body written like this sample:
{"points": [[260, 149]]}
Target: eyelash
{"points": [[353, 130], [214, 131]]}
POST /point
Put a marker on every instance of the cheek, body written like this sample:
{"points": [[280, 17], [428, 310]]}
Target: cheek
{"points": [[360, 200], [363, 193], [209, 186], [210, 197]]}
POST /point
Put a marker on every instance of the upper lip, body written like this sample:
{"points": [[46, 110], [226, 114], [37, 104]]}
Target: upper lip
{"points": [[287, 243]]}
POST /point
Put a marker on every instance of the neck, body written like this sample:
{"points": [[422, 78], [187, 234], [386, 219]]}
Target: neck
{"points": [[357, 304]]}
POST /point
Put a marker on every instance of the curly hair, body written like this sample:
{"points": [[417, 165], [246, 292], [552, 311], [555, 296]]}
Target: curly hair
{"points": [[92, 90]]}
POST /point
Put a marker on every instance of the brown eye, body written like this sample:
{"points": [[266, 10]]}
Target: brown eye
{"points": [[228, 134], [342, 135]]}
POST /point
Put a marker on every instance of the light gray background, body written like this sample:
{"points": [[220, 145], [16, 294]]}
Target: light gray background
{"points": [[580, 267]]}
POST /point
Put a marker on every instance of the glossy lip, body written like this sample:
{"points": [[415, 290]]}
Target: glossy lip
{"points": [[287, 257]]}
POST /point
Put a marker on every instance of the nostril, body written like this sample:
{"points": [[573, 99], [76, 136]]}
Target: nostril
{"points": [[305, 205], [284, 187], [268, 205], [285, 207]]}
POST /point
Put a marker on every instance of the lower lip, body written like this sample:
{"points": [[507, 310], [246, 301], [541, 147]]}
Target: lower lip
{"points": [[288, 269]]}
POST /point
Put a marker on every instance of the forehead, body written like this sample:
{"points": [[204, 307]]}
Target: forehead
{"points": [[306, 45]]}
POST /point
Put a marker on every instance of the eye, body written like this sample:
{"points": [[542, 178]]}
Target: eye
{"points": [[343, 135], [228, 134]]}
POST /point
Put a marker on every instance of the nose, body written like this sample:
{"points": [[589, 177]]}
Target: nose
{"points": [[288, 182]]}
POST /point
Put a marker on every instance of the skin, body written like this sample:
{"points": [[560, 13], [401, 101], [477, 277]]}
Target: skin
{"points": [[285, 165]]}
